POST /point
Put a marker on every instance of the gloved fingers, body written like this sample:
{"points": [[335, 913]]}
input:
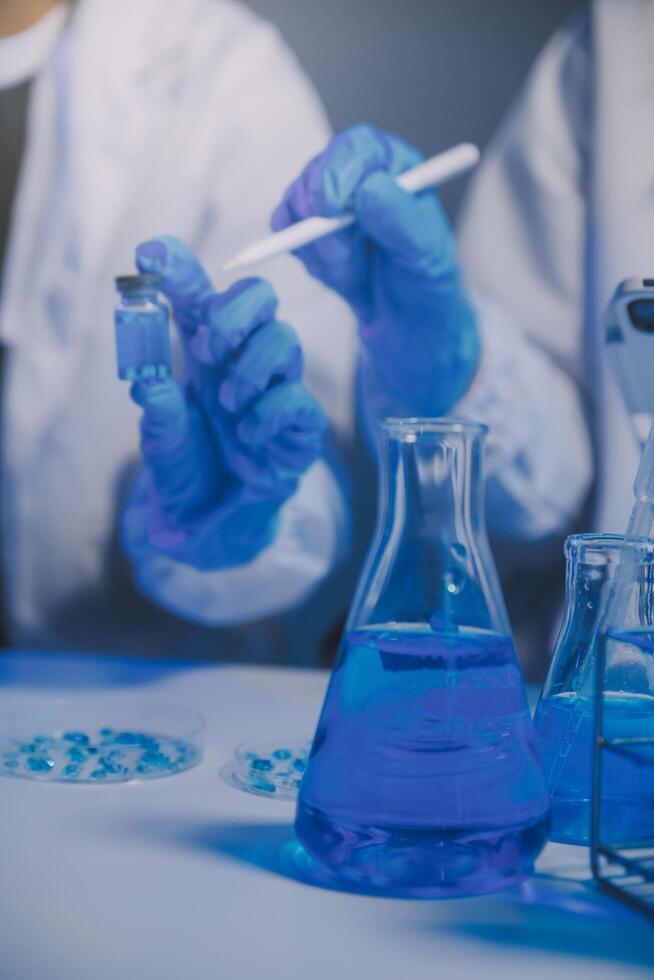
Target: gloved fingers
{"points": [[164, 424], [327, 184], [412, 230], [287, 411], [231, 317], [183, 279], [295, 450], [272, 355]]}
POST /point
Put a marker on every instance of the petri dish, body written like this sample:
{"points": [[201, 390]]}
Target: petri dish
{"points": [[273, 769], [66, 741]]}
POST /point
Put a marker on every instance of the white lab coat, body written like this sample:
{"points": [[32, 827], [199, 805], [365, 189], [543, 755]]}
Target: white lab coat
{"points": [[180, 116], [561, 210]]}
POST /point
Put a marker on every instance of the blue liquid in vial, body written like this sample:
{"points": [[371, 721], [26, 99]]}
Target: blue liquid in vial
{"points": [[424, 778], [565, 727], [143, 343]]}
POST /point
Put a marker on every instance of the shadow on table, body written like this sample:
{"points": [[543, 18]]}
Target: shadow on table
{"points": [[554, 912]]}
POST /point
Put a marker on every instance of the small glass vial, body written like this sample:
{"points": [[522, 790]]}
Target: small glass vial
{"points": [[142, 335]]}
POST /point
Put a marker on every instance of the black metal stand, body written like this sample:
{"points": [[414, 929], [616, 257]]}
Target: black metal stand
{"points": [[624, 870]]}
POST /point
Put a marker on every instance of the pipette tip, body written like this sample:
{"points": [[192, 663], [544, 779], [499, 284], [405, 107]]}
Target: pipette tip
{"points": [[231, 265]]}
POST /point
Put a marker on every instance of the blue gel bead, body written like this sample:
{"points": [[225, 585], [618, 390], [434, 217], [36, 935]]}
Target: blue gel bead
{"points": [[25, 748], [44, 740], [98, 774], [106, 732], [108, 765], [127, 738], [40, 765], [281, 754], [78, 737], [77, 755], [299, 765], [70, 771], [155, 759], [263, 785], [261, 765], [11, 762]]}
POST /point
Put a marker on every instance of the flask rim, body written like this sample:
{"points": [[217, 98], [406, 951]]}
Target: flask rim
{"points": [[607, 542], [413, 426]]}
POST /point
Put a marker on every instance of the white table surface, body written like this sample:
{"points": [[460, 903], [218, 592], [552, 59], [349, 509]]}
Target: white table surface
{"points": [[185, 878]]}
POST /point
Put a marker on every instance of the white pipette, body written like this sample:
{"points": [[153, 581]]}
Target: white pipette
{"points": [[432, 173]]}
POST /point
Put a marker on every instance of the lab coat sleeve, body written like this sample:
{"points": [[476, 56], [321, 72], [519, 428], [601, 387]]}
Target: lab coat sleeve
{"points": [[312, 531], [523, 246], [262, 122]]}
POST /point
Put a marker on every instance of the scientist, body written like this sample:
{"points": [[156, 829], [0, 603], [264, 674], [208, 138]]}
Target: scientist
{"points": [[117, 120], [560, 211]]}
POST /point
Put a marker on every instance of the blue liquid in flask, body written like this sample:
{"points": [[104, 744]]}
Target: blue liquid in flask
{"points": [[565, 724], [424, 778]]}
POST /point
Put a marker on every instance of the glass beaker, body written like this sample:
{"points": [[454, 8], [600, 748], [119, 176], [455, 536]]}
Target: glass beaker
{"points": [[565, 715], [424, 777]]}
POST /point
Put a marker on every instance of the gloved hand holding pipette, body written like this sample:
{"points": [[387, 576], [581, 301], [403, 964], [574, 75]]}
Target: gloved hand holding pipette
{"points": [[224, 449], [396, 267]]}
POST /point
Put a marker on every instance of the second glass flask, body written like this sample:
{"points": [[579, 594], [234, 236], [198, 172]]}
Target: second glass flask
{"points": [[424, 777]]}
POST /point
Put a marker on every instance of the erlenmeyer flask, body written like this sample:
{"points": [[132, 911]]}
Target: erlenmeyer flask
{"points": [[565, 716], [424, 777]]}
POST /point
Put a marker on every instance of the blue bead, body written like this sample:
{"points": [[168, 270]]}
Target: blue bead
{"points": [[108, 765], [106, 732], [11, 762], [128, 738], [300, 765], [98, 774], [261, 765], [78, 737], [70, 771], [261, 784], [281, 754], [40, 765], [77, 755], [44, 740], [156, 759]]}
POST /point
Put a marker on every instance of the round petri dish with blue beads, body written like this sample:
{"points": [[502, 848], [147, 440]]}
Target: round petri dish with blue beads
{"points": [[271, 769], [69, 742]]}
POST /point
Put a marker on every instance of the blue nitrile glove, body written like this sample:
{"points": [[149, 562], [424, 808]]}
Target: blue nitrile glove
{"points": [[225, 448], [397, 267]]}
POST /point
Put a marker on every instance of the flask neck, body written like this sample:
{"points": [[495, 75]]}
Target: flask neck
{"points": [[430, 565], [431, 485]]}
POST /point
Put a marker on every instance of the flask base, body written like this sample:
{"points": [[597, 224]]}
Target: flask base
{"points": [[622, 821], [410, 862]]}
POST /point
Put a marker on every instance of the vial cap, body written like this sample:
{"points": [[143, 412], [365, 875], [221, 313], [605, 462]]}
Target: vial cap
{"points": [[137, 283]]}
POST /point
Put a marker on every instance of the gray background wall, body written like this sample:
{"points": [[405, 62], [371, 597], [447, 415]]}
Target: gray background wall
{"points": [[436, 71]]}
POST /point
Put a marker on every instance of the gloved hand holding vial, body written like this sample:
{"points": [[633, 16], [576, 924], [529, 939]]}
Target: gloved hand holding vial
{"points": [[224, 447]]}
